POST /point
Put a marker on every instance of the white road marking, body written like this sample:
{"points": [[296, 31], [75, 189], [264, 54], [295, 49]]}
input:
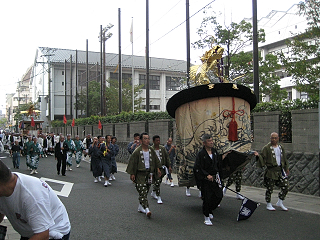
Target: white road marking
{"points": [[66, 189]]}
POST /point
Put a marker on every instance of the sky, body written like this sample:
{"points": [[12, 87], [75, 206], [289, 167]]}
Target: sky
{"points": [[66, 24]]}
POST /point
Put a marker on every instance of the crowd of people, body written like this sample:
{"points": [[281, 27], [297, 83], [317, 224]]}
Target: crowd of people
{"points": [[150, 163]]}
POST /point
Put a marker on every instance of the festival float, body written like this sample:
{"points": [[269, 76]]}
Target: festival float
{"points": [[216, 106], [31, 123]]}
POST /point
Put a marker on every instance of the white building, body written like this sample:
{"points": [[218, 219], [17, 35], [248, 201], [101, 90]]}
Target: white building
{"points": [[280, 26], [21, 96], [55, 85]]}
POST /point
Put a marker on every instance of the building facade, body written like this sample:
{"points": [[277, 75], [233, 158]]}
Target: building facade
{"points": [[280, 26], [59, 74]]}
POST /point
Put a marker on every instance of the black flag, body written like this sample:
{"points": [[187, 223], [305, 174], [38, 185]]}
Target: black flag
{"points": [[247, 208]]}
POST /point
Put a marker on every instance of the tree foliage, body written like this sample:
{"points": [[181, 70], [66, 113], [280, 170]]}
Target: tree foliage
{"points": [[303, 63], [112, 96], [233, 38], [237, 63], [94, 99]]}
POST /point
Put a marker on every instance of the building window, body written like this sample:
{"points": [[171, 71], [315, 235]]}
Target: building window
{"points": [[289, 96], [152, 107], [153, 80], [142, 80], [82, 77], [126, 77], [172, 84], [303, 95], [62, 72]]}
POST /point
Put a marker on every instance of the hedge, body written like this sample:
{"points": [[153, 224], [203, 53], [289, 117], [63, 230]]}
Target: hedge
{"points": [[283, 106]]}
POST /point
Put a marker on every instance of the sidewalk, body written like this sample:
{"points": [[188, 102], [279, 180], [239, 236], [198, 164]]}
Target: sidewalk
{"points": [[296, 201]]}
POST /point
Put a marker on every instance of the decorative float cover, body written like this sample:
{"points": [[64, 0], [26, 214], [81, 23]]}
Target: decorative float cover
{"points": [[221, 110]]}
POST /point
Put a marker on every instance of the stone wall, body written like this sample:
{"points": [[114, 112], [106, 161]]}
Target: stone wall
{"points": [[303, 176]]}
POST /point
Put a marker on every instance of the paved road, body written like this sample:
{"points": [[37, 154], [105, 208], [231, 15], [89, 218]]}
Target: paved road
{"points": [[97, 212]]}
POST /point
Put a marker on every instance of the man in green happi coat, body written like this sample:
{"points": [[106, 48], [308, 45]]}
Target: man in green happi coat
{"points": [[274, 158], [144, 166], [79, 149], [72, 150], [165, 167]]}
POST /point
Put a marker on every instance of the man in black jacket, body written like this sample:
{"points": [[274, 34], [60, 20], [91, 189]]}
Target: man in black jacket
{"points": [[207, 170], [60, 152]]}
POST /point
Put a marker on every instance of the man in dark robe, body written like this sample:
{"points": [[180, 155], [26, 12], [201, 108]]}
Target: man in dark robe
{"points": [[60, 151], [207, 170]]}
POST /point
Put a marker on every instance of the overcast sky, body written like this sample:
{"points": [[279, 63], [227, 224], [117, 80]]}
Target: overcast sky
{"points": [[66, 24]]}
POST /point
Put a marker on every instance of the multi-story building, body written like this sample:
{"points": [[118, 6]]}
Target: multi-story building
{"points": [[279, 27], [14, 101], [55, 81]]}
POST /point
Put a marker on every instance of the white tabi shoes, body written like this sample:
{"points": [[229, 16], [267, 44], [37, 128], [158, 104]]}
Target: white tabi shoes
{"points": [[153, 194], [159, 201], [107, 183], [141, 209], [239, 197], [224, 191], [280, 204], [207, 221], [148, 213], [188, 194], [269, 207], [172, 184]]}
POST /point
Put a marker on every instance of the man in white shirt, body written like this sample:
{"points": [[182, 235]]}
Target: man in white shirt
{"points": [[32, 207]]}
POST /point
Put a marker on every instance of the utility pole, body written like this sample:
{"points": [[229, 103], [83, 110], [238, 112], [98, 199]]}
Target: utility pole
{"points": [[87, 78], [103, 38], [147, 58], [255, 50], [188, 42], [120, 67], [71, 96], [65, 87], [101, 71], [76, 107]]}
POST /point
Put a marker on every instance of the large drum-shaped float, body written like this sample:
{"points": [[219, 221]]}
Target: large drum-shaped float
{"points": [[222, 110]]}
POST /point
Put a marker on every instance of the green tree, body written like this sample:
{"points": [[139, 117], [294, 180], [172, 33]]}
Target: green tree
{"points": [[269, 80], [112, 96], [3, 123], [237, 63], [303, 62], [94, 99], [233, 38], [241, 64]]}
